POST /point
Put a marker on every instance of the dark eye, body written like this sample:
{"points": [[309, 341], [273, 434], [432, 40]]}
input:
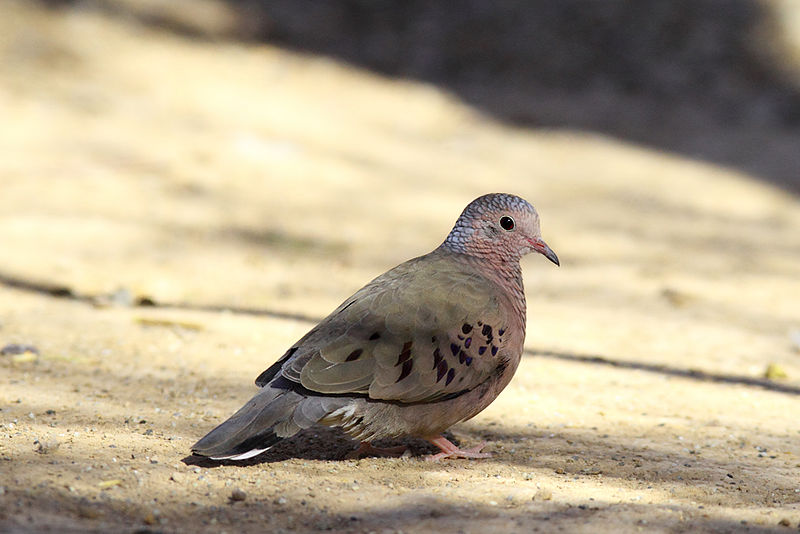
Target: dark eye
{"points": [[507, 223]]}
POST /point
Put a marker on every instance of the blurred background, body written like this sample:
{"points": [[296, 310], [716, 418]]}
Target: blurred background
{"points": [[711, 79], [179, 177]]}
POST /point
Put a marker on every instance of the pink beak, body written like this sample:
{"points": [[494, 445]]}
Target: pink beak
{"points": [[542, 248]]}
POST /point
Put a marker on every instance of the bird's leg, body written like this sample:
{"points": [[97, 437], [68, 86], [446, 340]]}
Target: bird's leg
{"points": [[366, 448], [449, 450]]}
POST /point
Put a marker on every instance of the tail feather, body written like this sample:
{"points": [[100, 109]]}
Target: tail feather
{"points": [[252, 426], [270, 416]]}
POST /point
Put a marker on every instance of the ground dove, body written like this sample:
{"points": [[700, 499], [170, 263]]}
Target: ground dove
{"points": [[427, 344]]}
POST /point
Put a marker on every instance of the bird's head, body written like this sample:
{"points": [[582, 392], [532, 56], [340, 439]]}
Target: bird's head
{"points": [[499, 225]]}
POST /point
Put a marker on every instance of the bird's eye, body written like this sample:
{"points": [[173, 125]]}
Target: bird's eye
{"points": [[507, 223]]}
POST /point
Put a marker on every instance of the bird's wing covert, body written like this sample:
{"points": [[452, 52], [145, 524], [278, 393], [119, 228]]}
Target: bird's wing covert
{"points": [[423, 331]]}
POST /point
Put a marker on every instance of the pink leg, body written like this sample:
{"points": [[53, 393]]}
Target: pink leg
{"points": [[366, 448], [449, 450]]}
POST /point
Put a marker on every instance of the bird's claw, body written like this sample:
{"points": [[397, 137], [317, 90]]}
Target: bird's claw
{"points": [[450, 450]]}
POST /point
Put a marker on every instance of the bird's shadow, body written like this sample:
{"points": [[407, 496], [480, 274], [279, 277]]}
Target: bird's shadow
{"points": [[318, 443]]}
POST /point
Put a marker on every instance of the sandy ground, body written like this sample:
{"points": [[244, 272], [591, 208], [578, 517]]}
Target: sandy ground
{"points": [[245, 191]]}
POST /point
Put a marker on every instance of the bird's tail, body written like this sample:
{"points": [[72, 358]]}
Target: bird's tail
{"points": [[271, 415]]}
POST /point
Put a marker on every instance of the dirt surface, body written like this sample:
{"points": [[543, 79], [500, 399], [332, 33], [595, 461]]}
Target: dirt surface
{"points": [[175, 213]]}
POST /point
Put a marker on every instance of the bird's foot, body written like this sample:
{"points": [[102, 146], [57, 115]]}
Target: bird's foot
{"points": [[367, 449], [450, 450]]}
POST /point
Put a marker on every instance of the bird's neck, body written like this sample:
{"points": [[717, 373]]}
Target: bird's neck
{"points": [[507, 274]]}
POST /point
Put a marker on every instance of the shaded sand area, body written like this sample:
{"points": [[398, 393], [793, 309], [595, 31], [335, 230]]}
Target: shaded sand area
{"points": [[175, 213]]}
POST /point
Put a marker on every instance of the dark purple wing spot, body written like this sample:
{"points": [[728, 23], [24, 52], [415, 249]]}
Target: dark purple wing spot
{"points": [[480, 323], [467, 342], [433, 339], [501, 331], [442, 369], [356, 354], [405, 354], [407, 365], [481, 350], [374, 336], [460, 337], [437, 357], [468, 360], [494, 350], [466, 328], [451, 374], [487, 331], [454, 348], [462, 356]]}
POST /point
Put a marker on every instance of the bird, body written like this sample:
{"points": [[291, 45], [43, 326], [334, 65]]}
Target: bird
{"points": [[428, 344]]}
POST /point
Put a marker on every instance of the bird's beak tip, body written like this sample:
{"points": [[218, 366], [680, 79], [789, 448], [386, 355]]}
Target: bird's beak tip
{"points": [[542, 248]]}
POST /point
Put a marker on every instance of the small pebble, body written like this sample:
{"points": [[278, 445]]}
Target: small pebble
{"points": [[238, 495], [177, 477], [121, 297], [794, 336], [785, 522], [47, 446], [544, 494], [87, 511], [775, 372], [13, 349], [675, 297], [106, 484]]}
